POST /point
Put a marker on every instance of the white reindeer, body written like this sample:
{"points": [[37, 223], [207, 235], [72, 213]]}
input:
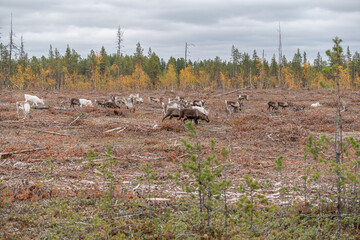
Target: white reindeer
{"points": [[129, 103], [166, 106], [136, 98], [199, 103], [34, 99], [85, 102], [201, 109], [317, 104], [23, 106]]}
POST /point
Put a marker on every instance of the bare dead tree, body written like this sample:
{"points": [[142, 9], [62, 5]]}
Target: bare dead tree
{"points": [[22, 49], [280, 56], [23, 55], [186, 50], [262, 70], [119, 40], [12, 47]]}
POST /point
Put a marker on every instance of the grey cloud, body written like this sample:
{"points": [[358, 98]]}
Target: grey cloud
{"points": [[213, 26]]}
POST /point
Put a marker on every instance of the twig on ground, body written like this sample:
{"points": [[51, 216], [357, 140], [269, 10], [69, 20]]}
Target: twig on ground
{"points": [[50, 132]]}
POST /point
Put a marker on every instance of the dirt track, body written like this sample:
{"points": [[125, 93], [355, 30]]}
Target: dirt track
{"points": [[256, 137]]}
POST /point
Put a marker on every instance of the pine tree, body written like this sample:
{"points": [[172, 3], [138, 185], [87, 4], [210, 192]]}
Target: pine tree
{"points": [[139, 54]]}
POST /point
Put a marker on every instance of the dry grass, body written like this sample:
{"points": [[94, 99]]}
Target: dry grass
{"points": [[255, 136]]}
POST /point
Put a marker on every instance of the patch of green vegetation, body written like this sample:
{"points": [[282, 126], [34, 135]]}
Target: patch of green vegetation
{"points": [[206, 212]]}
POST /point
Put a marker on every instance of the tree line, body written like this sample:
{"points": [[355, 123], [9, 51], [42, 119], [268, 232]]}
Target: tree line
{"points": [[101, 70]]}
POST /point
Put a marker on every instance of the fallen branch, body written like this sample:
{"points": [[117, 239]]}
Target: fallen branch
{"points": [[74, 120], [50, 132], [121, 130], [8, 154], [114, 129], [61, 108], [41, 107]]}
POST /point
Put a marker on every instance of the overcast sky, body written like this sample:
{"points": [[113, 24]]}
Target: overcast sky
{"points": [[210, 27]]}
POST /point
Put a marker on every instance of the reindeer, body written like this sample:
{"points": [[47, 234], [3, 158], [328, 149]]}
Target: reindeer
{"points": [[74, 101], [23, 106], [192, 114], [243, 97], [156, 100], [232, 106], [171, 112], [297, 108], [34, 99], [101, 103], [272, 105], [198, 103], [283, 104], [107, 104], [201, 109], [129, 103], [166, 106], [136, 98]]}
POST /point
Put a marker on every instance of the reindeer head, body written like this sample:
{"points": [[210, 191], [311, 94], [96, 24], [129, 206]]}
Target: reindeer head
{"points": [[204, 117]]}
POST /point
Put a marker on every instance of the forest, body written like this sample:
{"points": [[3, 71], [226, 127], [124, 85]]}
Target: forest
{"points": [[102, 71]]}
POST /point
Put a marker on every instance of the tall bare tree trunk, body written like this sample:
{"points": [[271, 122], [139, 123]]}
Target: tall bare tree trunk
{"points": [[262, 71], [119, 40], [186, 47], [280, 57], [11, 46]]}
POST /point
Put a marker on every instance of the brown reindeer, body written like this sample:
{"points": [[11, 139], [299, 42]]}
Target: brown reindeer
{"points": [[272, 105], [283, 104], [171, 112], [192, 114], [74, 101]]}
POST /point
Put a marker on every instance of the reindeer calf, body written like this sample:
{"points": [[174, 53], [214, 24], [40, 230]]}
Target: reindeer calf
{"points": [[23, 106], [232, 106]]}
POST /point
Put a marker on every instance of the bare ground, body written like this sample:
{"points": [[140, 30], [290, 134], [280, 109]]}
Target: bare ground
{"points": [[256, 137]]}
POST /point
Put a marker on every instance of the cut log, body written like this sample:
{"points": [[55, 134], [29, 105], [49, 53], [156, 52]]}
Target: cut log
{"points": [[114, 129], [8, 154], [41, 107]]}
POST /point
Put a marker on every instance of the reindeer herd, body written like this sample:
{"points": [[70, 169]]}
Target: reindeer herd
{"points": [[177, 107]]}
